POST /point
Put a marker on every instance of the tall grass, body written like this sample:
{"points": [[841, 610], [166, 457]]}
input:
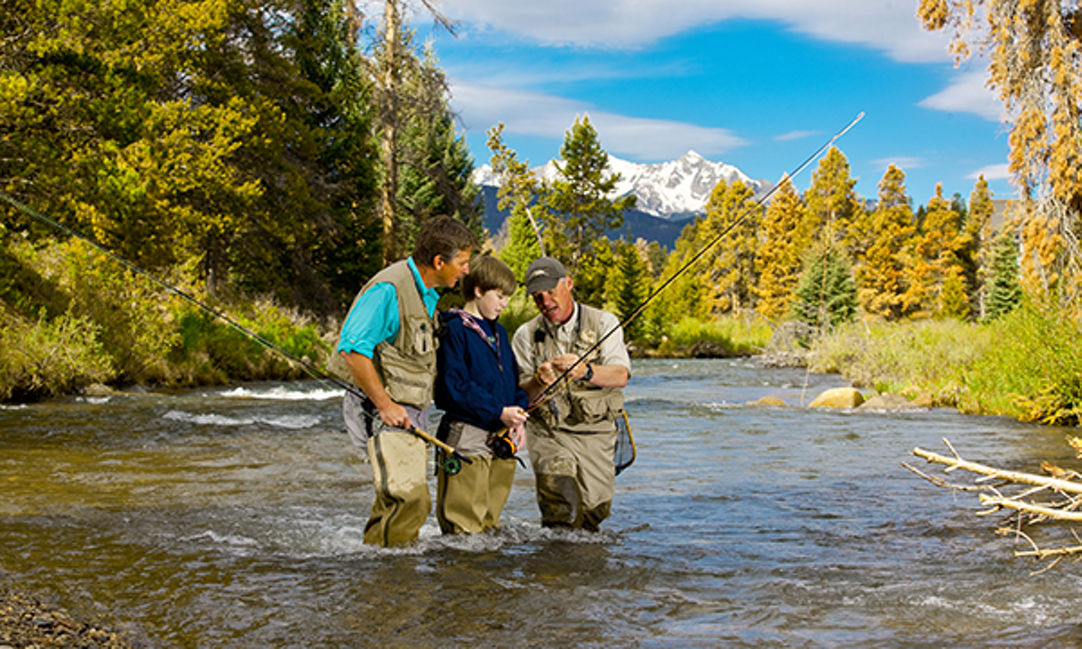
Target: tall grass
{"points": [[732, 335], [1026, 364]]}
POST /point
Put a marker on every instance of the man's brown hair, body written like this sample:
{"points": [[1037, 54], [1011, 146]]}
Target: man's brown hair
{"points": [[443, 236]]}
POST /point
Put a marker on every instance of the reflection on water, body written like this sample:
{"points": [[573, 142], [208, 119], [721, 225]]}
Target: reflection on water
{"points": [[233, 518]]}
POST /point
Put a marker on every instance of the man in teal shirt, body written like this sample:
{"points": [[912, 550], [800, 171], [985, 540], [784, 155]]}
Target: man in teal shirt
{"points": [[388, 342]]}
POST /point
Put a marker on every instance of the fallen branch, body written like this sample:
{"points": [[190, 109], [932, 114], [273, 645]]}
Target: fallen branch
{"points": [[1060, 486], [1011, 476]]}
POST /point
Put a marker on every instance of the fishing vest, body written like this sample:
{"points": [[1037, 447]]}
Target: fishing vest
{"points": [[581, 407], [407, 365]]}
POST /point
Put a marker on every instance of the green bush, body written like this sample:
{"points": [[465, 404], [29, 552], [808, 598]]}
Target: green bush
{"points": [[46, 358], [1033, 370], [725, 336]]}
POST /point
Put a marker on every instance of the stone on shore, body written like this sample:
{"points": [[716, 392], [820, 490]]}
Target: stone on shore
{"points": [[838, 398]]}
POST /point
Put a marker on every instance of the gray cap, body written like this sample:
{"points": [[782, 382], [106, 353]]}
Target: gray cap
{"points": [[543, 274]]}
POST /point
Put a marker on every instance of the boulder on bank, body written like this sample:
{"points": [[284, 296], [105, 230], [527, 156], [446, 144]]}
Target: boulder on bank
{"points": [[838, 398], [888, 402]]}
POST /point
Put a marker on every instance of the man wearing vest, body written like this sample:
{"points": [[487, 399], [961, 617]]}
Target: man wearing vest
{"points": [[388, 341], [571, 438]]}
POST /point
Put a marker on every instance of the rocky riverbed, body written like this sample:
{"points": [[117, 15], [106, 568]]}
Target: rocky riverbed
{"points": [[28, 623]]}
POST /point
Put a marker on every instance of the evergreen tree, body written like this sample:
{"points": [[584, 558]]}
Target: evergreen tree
{"points": [[883, 274], [655, 259], [629, 285], [825, 296], [939, 252], [832, 205], [592, 277], [778, 258], [578, 204], [1003, 292]]}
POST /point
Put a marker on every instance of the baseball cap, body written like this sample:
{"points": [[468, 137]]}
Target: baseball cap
{"points": [[543, 274]]}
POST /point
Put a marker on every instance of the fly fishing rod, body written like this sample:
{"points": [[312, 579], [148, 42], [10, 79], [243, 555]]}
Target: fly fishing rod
{"points": [[550, 389], [452, 463]]}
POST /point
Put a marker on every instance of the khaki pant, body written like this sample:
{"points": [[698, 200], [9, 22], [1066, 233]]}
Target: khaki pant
{"points": [[574, 476], [472, 499], [399, 467]]}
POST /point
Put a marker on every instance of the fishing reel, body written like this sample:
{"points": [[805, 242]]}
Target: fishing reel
{"points": [[451, 465], [502, 445]]}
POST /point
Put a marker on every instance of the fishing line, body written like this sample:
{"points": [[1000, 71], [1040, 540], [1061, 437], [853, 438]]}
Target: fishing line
{"points": [[312, 370], [541, 398]]}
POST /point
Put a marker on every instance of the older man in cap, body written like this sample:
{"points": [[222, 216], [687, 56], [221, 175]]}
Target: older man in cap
{"points": [[572, 434]]}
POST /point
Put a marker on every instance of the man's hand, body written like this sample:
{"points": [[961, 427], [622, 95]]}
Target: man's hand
{"points": [[395, 415]]}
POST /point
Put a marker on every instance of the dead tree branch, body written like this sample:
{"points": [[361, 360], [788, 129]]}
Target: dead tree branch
{"points": [[1015, 492]]}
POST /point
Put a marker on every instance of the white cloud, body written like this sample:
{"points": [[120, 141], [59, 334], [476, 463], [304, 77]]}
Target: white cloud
{"points": [[904, 163], [536, 114], [795, 135], [992, 172], [967, 93], [887, 25]]}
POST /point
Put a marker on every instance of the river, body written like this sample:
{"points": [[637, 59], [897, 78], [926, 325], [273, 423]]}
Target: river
{"points": [[233, 517]]}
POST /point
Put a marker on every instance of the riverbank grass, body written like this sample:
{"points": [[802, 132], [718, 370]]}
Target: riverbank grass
{"points": [[1026, 364]]}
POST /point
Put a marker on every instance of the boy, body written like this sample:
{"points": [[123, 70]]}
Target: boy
{"points": [[477, 387]]}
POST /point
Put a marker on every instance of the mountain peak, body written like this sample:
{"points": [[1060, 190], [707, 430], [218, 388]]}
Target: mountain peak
{"points": [[677, 188]]}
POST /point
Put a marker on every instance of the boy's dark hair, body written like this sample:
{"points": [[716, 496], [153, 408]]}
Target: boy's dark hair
{"points": [[443, 236], [487, 273]]}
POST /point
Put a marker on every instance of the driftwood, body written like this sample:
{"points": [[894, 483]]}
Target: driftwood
{"points": [[1029, 499]]}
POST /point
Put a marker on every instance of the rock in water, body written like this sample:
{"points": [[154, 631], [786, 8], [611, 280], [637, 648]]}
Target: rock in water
{"points": [[838, 398]]}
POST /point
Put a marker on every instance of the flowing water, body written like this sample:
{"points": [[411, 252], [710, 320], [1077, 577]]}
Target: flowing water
{"points": [[233, 518]]}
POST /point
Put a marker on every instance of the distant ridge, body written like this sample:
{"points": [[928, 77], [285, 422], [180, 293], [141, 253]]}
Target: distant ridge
{"points": [[668, 194]]}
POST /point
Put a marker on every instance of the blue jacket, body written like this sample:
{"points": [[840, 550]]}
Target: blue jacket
{"points": [[475, 382]]}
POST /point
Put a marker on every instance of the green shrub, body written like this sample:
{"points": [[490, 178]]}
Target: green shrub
{"points": [[727, 335], [45, 357], [1033, 370]]}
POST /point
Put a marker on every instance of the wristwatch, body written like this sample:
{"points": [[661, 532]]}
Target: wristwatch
{"points": [[589, 374]]}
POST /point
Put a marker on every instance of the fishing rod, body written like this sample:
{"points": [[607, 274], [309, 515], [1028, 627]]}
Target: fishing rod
{"points": [[452, 464], [563, 378]]}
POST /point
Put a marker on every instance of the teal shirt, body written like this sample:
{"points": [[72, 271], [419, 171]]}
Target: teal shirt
{"points": [[374, 319]]}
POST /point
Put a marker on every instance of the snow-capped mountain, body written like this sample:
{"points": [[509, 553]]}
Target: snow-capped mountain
{"points": [[670, 190]]}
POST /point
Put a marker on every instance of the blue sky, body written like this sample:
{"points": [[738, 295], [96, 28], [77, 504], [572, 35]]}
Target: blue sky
{"points": [[759, 87]]}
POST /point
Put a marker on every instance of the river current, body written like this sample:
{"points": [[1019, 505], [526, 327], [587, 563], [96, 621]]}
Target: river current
{"points": [[233, 517]]}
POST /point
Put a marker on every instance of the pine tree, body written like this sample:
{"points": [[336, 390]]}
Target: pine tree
{"points": [[778, 258], [1003, 291], [832, 205], [629, 285], [825, 296], [883, 273], [578, 205], [939, 252]]}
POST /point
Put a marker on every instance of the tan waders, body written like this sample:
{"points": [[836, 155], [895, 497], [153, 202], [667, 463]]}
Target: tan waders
{"points": [[399, 461], [472, 499], [574, 476]]}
